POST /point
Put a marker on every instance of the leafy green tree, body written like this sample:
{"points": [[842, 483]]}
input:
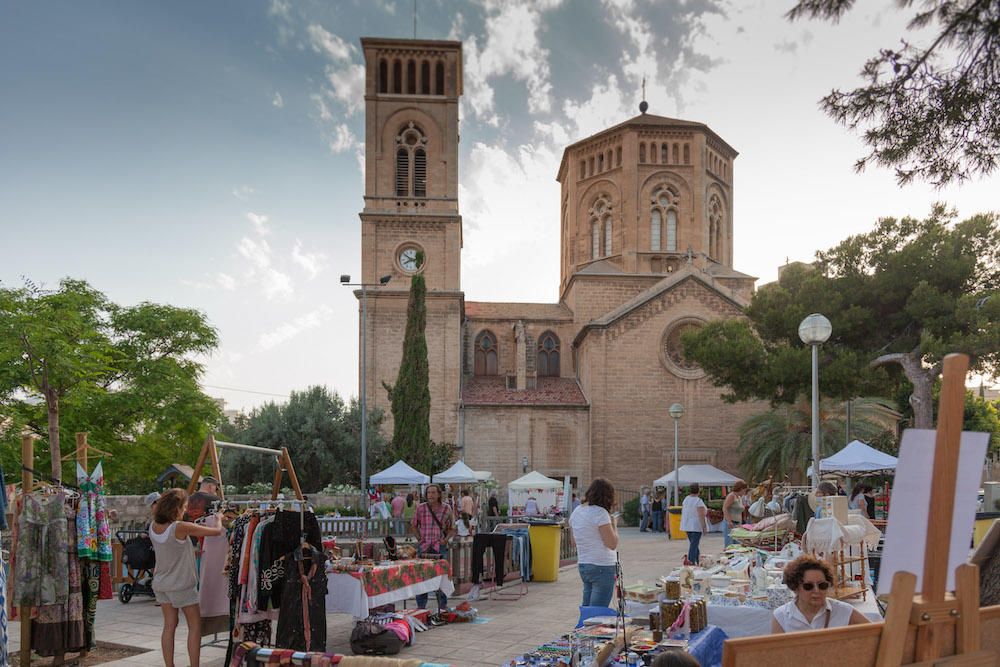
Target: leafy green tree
{"points": [[71, 360], [930, 112], [899, 298], [982, 415], [410, 397], [778, 442]]}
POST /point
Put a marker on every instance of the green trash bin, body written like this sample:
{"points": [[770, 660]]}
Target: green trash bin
{"points": [[545, 540]]}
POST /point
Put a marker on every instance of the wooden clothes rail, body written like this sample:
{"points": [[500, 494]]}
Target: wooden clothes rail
{"points": [[210, 452]]}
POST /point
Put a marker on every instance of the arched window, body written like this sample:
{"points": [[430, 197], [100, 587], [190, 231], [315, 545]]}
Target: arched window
{"points": [[652, 153], [595, 240], [402, 172], [609, 162], [664, 158], [425, 78], [397, 76], [642, 152], [383, 76], [411, 162], [663, 218], [411, 77], [583, 169], [419, 173], [607, 235], [486, 353], [677, 157], [716, 220], [687, 154], [600, 162], [592, 166], [618, 156], [548, 355], [439, 79]]}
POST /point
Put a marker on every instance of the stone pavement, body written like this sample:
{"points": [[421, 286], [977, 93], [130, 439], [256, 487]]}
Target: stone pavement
{"points": [[548, 610]]}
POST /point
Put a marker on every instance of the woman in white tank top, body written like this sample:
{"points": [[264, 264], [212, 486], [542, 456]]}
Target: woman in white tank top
{"points": [[174, 580]]}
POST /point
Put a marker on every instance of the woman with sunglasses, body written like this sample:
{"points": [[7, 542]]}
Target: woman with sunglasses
{"points": [[811, 580]]}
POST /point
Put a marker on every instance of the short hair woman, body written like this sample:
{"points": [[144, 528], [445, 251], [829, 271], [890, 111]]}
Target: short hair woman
{"points": [[812, 609]]}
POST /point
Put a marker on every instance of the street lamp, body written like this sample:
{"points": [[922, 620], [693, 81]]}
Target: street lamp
{"points": [[815, 330], [676, 410], [524, 464], [345, 281]]}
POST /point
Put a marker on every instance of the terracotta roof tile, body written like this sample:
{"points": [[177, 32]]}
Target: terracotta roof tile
{"points": [[492, 390]]}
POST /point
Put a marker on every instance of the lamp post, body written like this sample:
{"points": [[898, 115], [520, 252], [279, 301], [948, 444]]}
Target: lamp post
{"points": [[676, 410], [524, 464], [345, 281], [815, 330]]}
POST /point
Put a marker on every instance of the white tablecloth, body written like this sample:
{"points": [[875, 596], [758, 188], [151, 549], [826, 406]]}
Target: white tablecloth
{"points": [[754, 621], [346, 595]]}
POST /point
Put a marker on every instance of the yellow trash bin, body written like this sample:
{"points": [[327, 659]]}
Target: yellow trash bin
{"points": [[674, 512], [984, 521], [544, 551]]}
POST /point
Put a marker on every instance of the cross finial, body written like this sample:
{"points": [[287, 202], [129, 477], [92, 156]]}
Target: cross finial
{"points": [[643, 105]]}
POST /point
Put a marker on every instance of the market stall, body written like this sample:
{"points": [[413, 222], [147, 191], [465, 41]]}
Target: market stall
{"points": [[399, 473], [458, 473], [857, 458], [534, 494], [356, 588], [702, 474]]}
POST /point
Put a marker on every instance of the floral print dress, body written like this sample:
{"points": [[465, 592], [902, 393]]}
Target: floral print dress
{"points": [[93, 534]]}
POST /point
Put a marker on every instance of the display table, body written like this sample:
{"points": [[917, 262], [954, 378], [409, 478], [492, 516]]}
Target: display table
{"points": [[706, 646], [357, 592], [754, 621]]}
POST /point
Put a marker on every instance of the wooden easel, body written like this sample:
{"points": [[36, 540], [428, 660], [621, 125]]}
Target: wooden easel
{"points": [[210, 452], [934, 628]]}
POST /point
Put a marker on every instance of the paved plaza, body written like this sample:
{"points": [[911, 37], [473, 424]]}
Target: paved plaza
{"points": [[548, 610]]}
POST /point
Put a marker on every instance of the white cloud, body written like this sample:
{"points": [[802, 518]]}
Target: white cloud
{"points": [[278, 101], [606, 106], [225, 281], [258, 253], [259, 223], [312, 263], [327, 43], [290, 330], [347, 86], [512, 47], [343, 139], [243, 192]]}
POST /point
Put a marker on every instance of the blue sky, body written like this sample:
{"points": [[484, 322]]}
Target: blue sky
{"points": [[209, 154]]}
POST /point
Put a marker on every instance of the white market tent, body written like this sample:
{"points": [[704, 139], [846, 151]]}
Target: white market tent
{"points": [[546, 491], [703, 474], [857, 457], [399, 473], [459, 473], [483, 475]]}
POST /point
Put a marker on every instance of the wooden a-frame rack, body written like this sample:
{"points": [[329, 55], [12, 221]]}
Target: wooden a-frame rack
{"points": [[935, 628], [210, 452]]}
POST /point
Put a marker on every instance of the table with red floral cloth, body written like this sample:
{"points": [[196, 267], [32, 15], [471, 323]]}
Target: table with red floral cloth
{"points": [[355, 592]]}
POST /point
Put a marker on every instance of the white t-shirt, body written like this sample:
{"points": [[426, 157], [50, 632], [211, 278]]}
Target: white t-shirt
{"points": [[690, 523], [644, 501], [586, 522], [791, 619]]}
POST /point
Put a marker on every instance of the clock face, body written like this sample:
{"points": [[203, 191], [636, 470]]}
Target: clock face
{"points": [[408, 260]]}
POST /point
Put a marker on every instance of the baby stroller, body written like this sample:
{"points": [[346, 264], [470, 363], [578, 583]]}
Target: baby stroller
{"points": [[139, 560]]}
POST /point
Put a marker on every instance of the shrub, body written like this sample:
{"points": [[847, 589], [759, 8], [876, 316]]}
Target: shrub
{"points": [[630, 513]]}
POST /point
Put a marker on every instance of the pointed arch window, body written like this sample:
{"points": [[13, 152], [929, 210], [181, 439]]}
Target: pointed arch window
{"points": [[600, 228], [548, 355], [439, 79], [383, 76], [663, 154], [411, 77], [397, 76], [642, 152], [607, 235], [652, 153], [677, 159], [411, 162], [595, 240], [663, 219], [716, 223], [425, 78], [486, 353]]}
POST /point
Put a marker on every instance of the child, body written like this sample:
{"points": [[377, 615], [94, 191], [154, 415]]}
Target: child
{"points": [[174, 580], [464, 525]]}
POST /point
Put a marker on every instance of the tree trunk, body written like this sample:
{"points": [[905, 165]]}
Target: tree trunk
{"points": [[52, 402], [922, 379]]}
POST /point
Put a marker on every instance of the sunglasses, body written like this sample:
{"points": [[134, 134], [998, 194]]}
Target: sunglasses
{"points": [[823, 585]]}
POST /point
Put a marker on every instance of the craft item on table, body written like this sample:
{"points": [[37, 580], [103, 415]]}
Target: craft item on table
{"points": [[686, 577], [642, 592], [672, 587], [721, 581], [825, 536]]}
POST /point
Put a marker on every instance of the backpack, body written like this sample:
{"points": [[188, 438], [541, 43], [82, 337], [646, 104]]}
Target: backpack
{"points": [[369, 638]]}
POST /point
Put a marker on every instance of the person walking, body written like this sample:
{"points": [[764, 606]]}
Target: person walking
{"points": [[645, 511], [174, 579], [434, 524], [694, 521], [732, 511], [595, 532], [493, 505]]}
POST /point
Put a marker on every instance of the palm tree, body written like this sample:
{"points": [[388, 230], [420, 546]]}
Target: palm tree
{"points": [[779, 442]]}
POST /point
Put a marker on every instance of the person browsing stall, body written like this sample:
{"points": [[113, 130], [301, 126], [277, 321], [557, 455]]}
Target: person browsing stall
{"points": [[595, 532], [694, 521], [174, 579], [824, 489], [434, 524], [811, 580], [732, 510]]}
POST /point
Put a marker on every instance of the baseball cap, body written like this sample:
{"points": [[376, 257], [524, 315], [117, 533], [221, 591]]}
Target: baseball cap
{"points": [[150, 499], [208, 480]]}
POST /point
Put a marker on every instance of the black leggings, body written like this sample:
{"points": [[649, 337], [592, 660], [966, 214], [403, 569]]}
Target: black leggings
{"points": [[496, 542]]}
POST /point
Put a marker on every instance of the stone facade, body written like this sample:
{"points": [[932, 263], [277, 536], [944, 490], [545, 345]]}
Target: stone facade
{"points": [[579, 387]]}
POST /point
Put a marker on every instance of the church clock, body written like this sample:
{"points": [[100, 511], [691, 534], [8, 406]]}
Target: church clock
{"points": [[408, 259]]}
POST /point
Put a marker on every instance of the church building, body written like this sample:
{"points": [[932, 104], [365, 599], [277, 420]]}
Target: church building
{"points": [[580, 387]]}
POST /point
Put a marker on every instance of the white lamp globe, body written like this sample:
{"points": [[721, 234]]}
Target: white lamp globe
{"points": [[815, 329], [676, 410]]}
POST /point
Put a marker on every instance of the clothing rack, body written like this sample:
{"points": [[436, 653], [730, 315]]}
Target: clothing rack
{"points": [[210, 452]]}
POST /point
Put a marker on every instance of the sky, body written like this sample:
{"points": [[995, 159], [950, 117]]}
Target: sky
{"points": [[210, 155]]}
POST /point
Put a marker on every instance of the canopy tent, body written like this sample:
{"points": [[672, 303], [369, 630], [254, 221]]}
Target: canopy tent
{"points": [[535, 480], [703, 474], [547, 493], [459, 473], [483, 475], [399, 473], [857, 457]]}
